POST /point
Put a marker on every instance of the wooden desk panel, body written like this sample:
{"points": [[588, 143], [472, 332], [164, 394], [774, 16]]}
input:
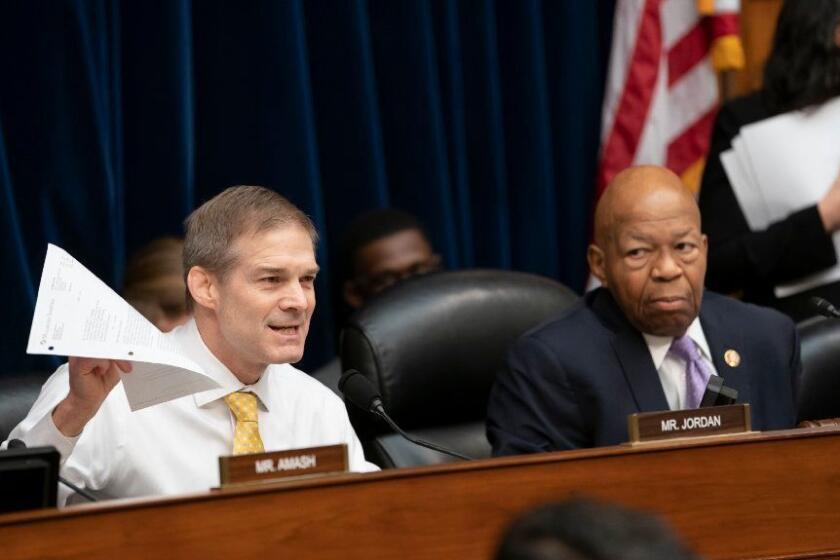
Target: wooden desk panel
{"points": [[760, 496]]}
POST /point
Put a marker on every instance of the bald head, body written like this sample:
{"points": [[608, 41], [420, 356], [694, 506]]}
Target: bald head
{"points": [[640, 191], [649, 251]]}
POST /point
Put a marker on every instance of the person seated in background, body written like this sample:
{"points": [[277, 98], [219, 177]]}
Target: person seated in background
{"points": [[249, 259], [380, 248], [587, 530], [802, 71], [154, 283], [648, 339]]}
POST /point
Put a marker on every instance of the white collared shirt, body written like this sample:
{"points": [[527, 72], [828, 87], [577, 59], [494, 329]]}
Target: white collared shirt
{"points": [[174, 447], [671, 368]]}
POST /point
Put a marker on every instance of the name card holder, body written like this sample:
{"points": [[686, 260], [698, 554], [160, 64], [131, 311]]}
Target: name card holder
{"points": [[275, 465], [697, 422]]}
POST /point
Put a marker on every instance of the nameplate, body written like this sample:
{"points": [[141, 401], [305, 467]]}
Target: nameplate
{"points": [[273, 465], [672, 424]]}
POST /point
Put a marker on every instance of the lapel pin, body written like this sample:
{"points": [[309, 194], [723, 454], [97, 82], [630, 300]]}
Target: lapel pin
{"points": [[732, 358]]}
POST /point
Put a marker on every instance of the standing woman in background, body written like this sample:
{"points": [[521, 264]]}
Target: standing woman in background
{"points": [[154, 283], [803, 70]]}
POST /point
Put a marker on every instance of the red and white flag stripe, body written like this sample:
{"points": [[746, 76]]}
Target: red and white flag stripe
{"points": [[662, 91]]}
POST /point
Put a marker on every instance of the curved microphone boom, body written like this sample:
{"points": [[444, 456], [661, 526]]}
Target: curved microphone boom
{"points": [[357, 389], [825, 308]]}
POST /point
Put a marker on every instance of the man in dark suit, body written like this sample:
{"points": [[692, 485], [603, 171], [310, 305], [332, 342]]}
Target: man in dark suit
{"points": [[647, 340]]}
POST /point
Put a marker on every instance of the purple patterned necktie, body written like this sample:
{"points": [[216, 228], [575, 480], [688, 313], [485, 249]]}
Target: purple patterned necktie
{"points": [[697, 370]]}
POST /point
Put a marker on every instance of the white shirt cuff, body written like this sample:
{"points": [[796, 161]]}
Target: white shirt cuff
{"points": [[45, 432]]}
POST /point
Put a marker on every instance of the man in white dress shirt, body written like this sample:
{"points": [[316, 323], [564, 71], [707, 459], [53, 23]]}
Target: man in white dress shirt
{"points": [[249, 257], [649, 339]]}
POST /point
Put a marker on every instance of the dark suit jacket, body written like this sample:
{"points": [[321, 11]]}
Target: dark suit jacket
{"points": [[754, 262], [571, 382]]}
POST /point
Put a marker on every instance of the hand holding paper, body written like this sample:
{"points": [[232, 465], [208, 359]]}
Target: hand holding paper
{"points": [[786, 163], [77, 314], [829, 207], [91, 379]]}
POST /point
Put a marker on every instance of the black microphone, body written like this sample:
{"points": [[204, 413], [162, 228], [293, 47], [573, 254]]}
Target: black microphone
{"points": [[357, 389], [718, 394], [19, 444], [825, 308]]}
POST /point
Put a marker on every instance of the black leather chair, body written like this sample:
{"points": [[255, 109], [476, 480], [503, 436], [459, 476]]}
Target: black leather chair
{"points": [[432, 346], [18, 392], [819, 386]]}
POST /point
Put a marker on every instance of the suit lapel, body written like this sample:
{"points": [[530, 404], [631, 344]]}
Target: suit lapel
{"points": [[721, 339], [632, 351], [639, 371]]}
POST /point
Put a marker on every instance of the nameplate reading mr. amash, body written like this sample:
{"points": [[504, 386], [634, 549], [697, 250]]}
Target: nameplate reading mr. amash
{"points": [[672, 424], [273, 465]]}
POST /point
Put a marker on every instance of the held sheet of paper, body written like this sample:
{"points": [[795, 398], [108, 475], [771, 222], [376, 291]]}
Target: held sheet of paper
{"points": [[783, 164], [77, 314]]}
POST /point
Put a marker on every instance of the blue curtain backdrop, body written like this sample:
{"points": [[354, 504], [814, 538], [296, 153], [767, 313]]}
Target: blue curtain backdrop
{"points": [[118, 118]]}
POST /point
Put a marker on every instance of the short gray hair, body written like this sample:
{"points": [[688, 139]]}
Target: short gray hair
{"points": [[213, 227]]}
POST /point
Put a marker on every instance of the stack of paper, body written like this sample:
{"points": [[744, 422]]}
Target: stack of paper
{"points": [[783, 164], [77, 314]]}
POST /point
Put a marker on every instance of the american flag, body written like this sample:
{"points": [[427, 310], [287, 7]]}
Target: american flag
{"points": [[662, 90]]}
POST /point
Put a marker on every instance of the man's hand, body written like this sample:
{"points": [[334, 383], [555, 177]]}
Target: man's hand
{"points": [[829, 207], [91, 380]]}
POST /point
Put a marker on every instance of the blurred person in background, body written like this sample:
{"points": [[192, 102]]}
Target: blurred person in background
{"points": [[379, 249], [802, 71], [154, 283]]}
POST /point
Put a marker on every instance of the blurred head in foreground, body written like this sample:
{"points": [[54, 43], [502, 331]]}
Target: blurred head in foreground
{"points": [[586, 530]]}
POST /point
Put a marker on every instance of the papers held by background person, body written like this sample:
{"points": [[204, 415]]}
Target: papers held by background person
{"points": [[77, 314], [783, 164]]}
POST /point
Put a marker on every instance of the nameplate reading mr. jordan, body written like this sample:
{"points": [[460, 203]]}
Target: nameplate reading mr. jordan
{"points": [[669, 424]]}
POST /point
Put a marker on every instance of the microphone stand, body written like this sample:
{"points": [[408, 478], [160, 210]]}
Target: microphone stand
{"points": [[360, 391], [379, 410]]}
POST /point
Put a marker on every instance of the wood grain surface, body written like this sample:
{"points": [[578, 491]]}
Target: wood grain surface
{"points": [[770, 495]]}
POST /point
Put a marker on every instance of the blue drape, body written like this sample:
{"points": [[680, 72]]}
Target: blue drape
{"points": [[118, 118]]}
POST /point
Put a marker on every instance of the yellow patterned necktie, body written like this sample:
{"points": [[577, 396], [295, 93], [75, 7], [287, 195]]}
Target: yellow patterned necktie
{"points": [[246, 436]]}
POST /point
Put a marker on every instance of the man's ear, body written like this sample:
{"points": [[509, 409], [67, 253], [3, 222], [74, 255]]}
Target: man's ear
{"points": [[597, 263], [202, 286], [352, 296], [837, 36]]}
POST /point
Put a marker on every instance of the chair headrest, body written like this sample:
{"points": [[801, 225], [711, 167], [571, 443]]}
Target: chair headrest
{"points": [[19, 391], [819, 386], [433, 344]]}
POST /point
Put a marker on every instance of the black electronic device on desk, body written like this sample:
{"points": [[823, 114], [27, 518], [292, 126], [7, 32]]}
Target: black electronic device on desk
{"points": [[28, 478]]}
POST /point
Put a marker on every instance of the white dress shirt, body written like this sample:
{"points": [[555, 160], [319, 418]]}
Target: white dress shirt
{"points": [[174, 447], [671, 368]]}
